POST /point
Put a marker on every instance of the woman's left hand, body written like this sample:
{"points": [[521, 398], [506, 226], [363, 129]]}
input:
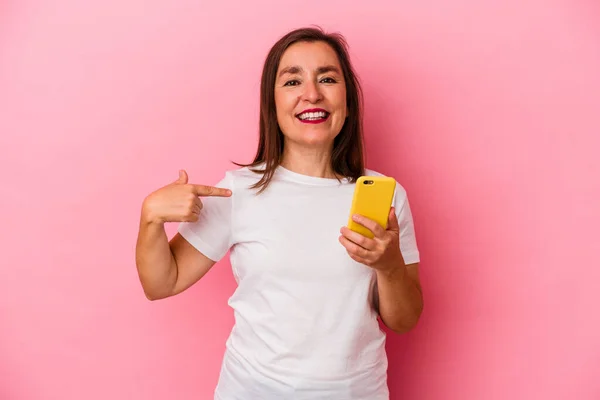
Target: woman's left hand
{"points": [[380, 253]]}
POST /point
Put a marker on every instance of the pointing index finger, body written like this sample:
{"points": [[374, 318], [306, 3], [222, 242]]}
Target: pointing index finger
{"points": [[203, 190]]}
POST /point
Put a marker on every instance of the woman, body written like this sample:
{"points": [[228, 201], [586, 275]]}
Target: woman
{"points": [[309, 290]]}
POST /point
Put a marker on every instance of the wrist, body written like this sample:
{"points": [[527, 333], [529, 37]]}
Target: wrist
{"points": [[395, 271], [149, 217]]}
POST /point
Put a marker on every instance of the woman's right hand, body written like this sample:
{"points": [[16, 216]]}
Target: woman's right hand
{"points": [[179, 201]]}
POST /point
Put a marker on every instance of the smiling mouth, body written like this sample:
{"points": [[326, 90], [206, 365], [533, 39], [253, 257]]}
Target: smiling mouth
{"points": [[313, 116]]}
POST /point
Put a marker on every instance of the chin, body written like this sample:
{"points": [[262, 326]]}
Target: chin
{"points": [[317, 140], [311, 136]]}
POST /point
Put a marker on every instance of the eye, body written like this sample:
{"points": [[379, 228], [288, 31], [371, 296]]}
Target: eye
{"points": [[293, 82], [328, 80]]}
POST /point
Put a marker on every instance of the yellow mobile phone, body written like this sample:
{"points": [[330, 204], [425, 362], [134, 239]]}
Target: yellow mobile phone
{"points": [[373, 197]]}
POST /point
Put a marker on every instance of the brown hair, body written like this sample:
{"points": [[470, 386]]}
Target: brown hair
{"points": [[347, 155]]}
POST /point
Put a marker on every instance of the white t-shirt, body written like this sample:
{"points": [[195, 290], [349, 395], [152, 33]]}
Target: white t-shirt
{"points": [[305, 328]]}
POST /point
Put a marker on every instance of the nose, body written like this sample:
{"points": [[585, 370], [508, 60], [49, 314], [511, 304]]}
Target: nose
{"points": [[312, 92]]}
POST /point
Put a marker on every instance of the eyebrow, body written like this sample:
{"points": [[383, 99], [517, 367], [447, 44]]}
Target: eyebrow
{"points": [[295, 69]]}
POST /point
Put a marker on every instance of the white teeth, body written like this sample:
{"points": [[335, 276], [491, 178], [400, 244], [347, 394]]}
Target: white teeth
{"points": [[313, 115]]}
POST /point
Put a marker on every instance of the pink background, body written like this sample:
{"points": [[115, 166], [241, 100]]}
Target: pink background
{"points": [[487, 112]]}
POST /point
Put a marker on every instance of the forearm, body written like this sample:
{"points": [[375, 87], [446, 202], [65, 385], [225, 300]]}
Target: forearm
{"points": [[400, 299], [156, 265]]}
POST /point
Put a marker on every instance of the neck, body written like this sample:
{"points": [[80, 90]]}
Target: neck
{"points": [[308, 161]]}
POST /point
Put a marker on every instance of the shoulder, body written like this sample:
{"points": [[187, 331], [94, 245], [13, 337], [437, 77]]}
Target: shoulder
{"points": [[243, 177], [245, 173]]}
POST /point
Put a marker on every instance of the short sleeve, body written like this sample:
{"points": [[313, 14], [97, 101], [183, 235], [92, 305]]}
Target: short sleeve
{"points": [[211, 234], [408, 240]]}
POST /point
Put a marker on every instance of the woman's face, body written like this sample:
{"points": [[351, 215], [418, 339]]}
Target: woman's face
{"points": [[310, 95]]}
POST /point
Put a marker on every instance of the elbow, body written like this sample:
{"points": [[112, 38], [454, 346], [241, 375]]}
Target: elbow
{"points": [[402, 329], [153, 289], [153, 294], [407, 323]]}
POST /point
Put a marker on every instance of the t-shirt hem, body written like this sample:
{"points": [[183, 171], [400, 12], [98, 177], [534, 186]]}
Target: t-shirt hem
{"points": [[411, 258], [199, 244]]}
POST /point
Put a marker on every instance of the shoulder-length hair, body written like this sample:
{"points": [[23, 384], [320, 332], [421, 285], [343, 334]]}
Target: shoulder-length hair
{"points": [[347, 158]]}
